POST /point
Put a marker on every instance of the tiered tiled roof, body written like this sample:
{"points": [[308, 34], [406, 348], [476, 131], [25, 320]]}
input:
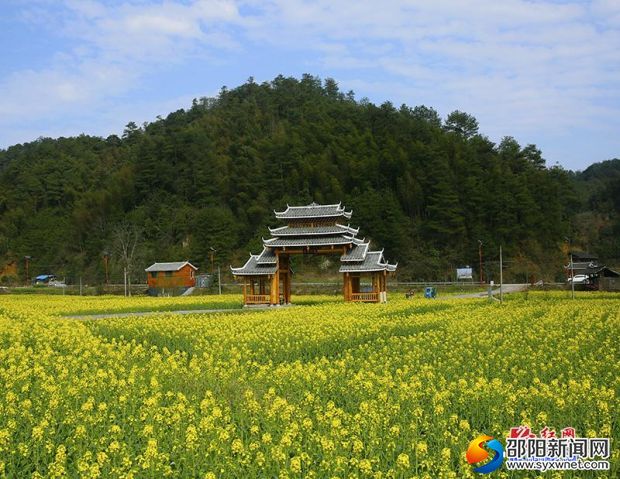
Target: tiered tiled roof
{"points": [[315, 226], [313, 210], [310, 240], [313, 230], [357, 253], [267, 257], [253, 268], [372, 261]]}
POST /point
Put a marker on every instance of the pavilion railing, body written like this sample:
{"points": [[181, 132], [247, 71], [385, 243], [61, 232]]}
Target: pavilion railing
{"points": [[365, 297], [257, 298]]}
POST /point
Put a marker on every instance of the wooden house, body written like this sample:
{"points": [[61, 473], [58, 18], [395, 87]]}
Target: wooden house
{"points": [[606, 279], [170, 278]]}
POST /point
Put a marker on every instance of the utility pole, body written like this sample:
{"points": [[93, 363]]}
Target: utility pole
{"points": [[501, 276], [106, 259], [527, 274], [212, 254], [27, 260], [480, 257], [219, 279], [572, 276], [572, 269]]}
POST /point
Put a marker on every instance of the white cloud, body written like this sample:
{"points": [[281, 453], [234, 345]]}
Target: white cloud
{"points": [[114, 46], [522, 67], [87, 8], [57, 90]]}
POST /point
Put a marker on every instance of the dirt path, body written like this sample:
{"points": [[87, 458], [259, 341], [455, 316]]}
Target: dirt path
{"points": [[150, 313]]}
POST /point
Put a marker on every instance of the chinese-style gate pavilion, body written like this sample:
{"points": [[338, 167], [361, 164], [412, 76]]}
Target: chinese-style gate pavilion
{"points": [[313, 229]]}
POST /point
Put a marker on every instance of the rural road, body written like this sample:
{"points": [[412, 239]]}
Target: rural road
{"points": [[507, 288]]}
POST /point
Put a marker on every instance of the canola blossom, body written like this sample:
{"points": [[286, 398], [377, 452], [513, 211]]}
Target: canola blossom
{"points": [[322, 390]]}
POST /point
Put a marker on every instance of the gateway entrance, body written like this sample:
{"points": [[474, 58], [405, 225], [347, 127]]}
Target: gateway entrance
{"points": [[313, 229]]}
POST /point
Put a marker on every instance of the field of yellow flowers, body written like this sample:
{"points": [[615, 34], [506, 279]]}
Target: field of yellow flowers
{"points": [[323, 390]]}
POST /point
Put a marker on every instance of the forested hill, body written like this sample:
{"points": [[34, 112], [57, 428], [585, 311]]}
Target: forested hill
{"points": [[424, 188]]}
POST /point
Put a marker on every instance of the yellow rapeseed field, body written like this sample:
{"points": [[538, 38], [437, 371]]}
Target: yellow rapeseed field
{"points": [[323, 390]]}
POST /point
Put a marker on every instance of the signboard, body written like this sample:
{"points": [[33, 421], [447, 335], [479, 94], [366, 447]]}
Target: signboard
{"points": [[203, 280], [464, 273]]}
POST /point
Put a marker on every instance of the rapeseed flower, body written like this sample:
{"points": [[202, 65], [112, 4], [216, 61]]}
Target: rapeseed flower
{"points": [[315, 391]]}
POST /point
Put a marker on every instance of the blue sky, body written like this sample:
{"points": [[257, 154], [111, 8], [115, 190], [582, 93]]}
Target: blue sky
{"points": [[545, 72]]}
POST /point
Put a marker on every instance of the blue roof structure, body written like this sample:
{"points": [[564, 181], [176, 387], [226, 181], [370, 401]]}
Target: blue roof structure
{"points": [[44, 277]]}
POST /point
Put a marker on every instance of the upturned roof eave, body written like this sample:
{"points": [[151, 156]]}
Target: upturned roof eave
{"points": [[290, 231], [250, 270], [311, 205], [287, 213], [279, 242]]}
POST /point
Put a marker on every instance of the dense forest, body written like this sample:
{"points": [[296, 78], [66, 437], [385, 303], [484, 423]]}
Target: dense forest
{"points": [[424, 188]]}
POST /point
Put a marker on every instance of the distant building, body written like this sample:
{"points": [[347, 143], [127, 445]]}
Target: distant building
{"points": [[583, 263], [597, 276], [44, 279], [606, 279], [170, 278]]}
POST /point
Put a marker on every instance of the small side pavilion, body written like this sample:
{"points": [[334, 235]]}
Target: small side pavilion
{"points": [[373, 265], [259, 274], [313, 229]]}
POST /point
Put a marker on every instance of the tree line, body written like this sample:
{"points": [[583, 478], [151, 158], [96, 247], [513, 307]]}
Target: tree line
{"points": [[426, 189]]}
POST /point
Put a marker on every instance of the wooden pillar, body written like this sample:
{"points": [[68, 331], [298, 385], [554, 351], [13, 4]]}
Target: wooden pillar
{"points": [[285, 272], [347, 286], [375, 282], [275, 284], [381, 286], [245, 290], [384, 286], [289, 281], [351, 289], [283, 267], [272, 287]]}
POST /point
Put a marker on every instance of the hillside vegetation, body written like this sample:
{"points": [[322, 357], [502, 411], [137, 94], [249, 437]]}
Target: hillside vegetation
{"points": [[425, 189]]}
